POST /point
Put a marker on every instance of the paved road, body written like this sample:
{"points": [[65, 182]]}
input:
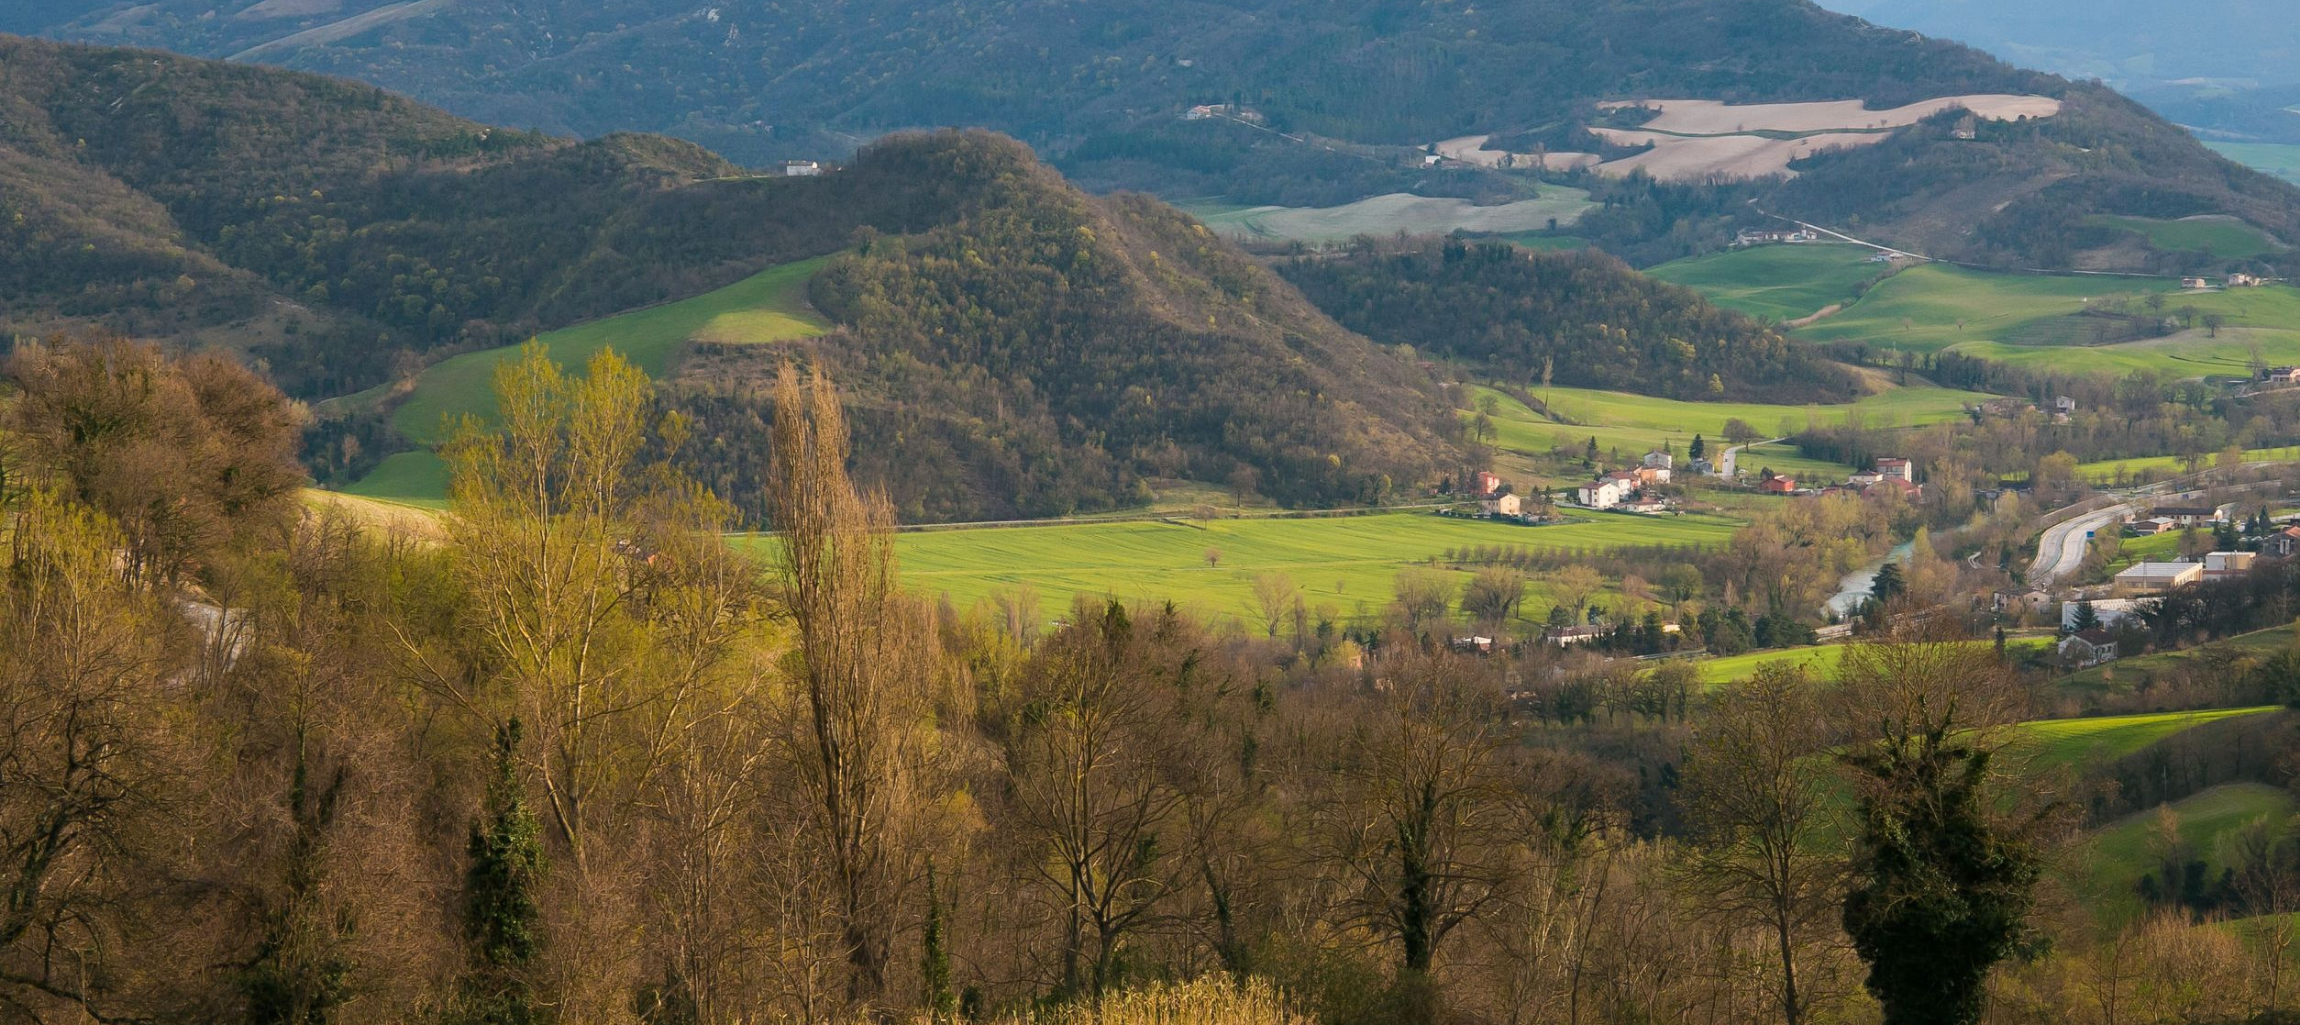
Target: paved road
{"points": [[2061, 550], [1725, 466]]}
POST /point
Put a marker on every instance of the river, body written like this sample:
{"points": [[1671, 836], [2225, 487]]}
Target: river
{"points": [[1854, 589]]}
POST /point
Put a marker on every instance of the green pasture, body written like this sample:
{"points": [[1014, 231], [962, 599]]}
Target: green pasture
{"points": [[1932, 307], [1779, 282], [1637, 424], [769, 306], [417, 478], [2224, 237], [2153, 548], [2159, 467], [2279, 159], [2033, 321], [1346, 565], [2079, 743], [2105, 869], [2121, 673], [1821, 659]]}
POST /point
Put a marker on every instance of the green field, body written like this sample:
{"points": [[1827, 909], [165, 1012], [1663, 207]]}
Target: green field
{"points": [[2106, 868], [2279, 159], [1383, 216], [2225, 237], [2078, 743], [1637, 424], [1346, 564], [1781, 282], [2167, 466], [770, 306], [1822, 659], [2032, 320], [2122, 672]]}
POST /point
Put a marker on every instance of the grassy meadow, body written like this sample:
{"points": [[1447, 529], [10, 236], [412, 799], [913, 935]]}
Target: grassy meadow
{"points": [[770, 306], [1779, 282], [2076, 743], [1345, 565], [2167, 466], [1637, 424], [2105, 869], [2225, 237], [2032, 320]]}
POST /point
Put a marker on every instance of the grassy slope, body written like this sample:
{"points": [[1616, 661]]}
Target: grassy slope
{"points": [[2122, 672], [1935, 308], [1636, 424], [2228, 239], [2106, 868], [1347, 563], [1782, 282], [2075, 743], [2109, 469], [770, 306], [1823, 659]]}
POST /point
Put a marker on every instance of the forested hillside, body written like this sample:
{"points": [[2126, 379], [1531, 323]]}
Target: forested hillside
{"points": [[1049, 351], [1584, 319], [345, 235], [1101, 87]]}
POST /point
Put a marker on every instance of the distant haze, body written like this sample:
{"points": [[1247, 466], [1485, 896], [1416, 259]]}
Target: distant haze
{"points": [[2128, 43]]}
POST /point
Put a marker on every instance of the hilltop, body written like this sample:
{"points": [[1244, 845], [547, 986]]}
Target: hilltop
{"points": [[1106, 89]]}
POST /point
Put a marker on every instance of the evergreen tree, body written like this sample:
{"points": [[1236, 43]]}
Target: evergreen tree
{"points": [[501, 921], [1888, 582], [934, 957], [1698, 449], [2084, 619], [1940, 890]]}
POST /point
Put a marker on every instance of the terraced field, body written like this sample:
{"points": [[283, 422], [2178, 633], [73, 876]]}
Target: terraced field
{"points": [[1779, 282], [770, 306], [1347, 564], [1383, 216]]}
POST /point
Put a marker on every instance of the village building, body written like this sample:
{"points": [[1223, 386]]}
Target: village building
{"points": [[1749, 237], [2149, 526], [2226, 565], [1896, 468], [800, 168], [1503, 505], [1603, 493], [1863, 478], [2107, 612], [2282, 544], [2189, 515], [2063, 405], [1893, 485], [2278, 375], [2090, 648], [1775, 484], [2147, 578], [2194, 284], [1565, 636], [2246, 281], [1486, 483]]}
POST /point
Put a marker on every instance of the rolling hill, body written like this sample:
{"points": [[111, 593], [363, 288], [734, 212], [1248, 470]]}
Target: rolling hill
{"points": [[1301, 104], [1012, 345]]}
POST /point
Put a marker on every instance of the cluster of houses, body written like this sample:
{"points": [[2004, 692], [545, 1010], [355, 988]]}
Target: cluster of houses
{"points": [[1760, 237], [1630, 490], [1892, 474], [2232, 281], [2132, 588], [1230, 110]]}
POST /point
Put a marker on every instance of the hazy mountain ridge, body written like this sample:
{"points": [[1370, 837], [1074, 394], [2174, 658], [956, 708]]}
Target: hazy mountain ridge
{"points": [[1099, 88]]}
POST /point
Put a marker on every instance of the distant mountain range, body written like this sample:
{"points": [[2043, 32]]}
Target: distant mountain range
{"points": [[1305, 102]]}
